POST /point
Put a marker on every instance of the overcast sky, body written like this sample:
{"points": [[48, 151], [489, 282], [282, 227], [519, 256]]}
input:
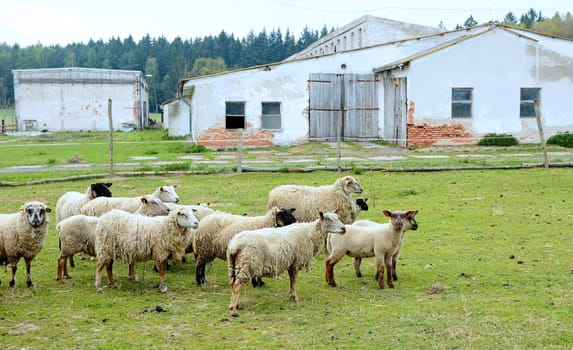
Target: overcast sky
{"points": [[28, 22]]}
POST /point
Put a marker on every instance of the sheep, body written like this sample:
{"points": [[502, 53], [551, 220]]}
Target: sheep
{"points": [[309, 200], [101, 205], [215, 232], [22, 235], [70, 203], [359, 205], [382, 241], [77, 233], [199, 210], [271, 251], [132, 238]]}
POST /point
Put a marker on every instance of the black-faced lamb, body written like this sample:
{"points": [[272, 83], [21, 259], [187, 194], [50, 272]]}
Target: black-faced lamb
{"points": [[77, 233], [101, 205], [382, 241], [22, 235], [309, 200], [268, 252], [216, 230], [136, 238]]}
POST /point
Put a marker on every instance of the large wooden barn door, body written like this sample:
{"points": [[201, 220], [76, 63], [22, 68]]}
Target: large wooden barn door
{"points": [[351, 98], [395, 110]]}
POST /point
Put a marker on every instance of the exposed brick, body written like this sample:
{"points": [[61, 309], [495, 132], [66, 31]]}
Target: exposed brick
{"points": [[220, 137], [427, 135]]}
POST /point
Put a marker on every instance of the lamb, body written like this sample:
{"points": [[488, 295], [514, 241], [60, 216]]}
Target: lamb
{"points": [[101, 205], [77, 233], [132, 238], [215, 232], [271, 251], [22, 235], [309, 200], [380, 240]]}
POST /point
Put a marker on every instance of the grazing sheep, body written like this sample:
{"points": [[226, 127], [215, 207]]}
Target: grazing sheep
{"points": [[70, 203], [101, 205], [77, 233], [380, 240], [215, 232], [309, 200], [22, 235], [271, 251], [132, 238]]}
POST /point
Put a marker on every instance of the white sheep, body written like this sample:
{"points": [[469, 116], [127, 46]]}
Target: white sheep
{"points": [[77, 233], [70, 203], [136, 238], [101, 205], [22, 235], [309, 200], [271, 251], [382, 241], [215, 231]]}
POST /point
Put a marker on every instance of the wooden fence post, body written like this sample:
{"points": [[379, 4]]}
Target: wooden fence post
{"points": [[541, 134], [110, 122]]}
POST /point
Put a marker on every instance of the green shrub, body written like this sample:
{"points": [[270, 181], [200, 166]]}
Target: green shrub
{"points": [[564, 139], [186, 147], [498, 140]]}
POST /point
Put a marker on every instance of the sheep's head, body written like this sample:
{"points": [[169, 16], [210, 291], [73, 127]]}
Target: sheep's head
{"points": [[402, 221], [168, 194], [100, 189], [285, 217], [329, 222], [36, 213], [351, 185], [361, 203], [151, 206], [185, 218]]}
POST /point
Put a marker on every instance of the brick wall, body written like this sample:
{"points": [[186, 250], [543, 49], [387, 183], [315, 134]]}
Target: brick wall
{"points": [[221, 137], [427, 135]]}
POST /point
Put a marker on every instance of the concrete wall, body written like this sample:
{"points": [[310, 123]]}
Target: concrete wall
{"points": [[76, 99]]}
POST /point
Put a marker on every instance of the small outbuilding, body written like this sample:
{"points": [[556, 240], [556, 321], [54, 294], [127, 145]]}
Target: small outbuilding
{"points": [[76, 99]]}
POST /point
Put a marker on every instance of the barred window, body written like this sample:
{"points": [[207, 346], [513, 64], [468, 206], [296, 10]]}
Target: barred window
{"points": [[234, 115]]}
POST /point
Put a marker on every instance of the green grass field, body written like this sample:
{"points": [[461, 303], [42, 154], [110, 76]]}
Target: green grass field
{"points": [[498, 241]]}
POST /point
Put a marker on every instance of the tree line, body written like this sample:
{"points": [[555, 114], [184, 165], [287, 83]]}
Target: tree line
{"points": [[165, 63]]}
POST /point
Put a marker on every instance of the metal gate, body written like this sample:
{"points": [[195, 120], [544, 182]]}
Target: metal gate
{"points": [[349, 98]]}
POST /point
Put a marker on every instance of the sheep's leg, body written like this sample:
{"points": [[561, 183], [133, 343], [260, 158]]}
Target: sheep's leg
{"points": [[61, 267], [389, 272], [14, 269], [132, 272], [99, 267], [292, 273], [235, 293], [72, 263], [109, 270], [66, 268], [329, 272], [357, 262], [394, 275], [162, 266], [380, 272], [200, 270], [257, 282], [28, 274]]}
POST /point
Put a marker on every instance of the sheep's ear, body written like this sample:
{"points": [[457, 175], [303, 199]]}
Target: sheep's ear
{"points": [[48, 210], [321, 215], [338, 211], [411, 213], [292, 209], [175, 186], [387, 213], [161, 188], [366, 199], [143, 200], [108, 184]]}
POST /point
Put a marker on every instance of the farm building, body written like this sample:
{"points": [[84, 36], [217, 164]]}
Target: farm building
{"points": [[76, 99], [387, 80]]}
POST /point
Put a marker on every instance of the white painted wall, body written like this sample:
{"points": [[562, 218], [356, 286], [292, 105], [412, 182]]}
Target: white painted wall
{"points": [[76, 99]]}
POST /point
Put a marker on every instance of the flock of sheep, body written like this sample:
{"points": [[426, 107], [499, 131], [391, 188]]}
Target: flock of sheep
{"points": [[299, 221]]}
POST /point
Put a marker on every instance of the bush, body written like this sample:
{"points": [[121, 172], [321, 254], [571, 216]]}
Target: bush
{"points": [[498, 140], [564, 139]]}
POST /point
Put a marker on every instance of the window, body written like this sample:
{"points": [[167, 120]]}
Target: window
{"points": [[462, 102], [271, 116], [527, 99], [235, 115]]}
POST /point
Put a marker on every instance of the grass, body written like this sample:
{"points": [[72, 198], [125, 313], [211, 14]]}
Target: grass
{"points": [[499, 242]]}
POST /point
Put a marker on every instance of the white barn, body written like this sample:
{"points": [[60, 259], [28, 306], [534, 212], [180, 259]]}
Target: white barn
{"points": [[76, 99], [381, 79]]}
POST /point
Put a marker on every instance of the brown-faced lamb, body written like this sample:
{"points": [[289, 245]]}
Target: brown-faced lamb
{"points": [[136, 238], [216, 230], [309, 200], [382, 241], [77, 233], [101, 205], [268, 252], [22, 235]]}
